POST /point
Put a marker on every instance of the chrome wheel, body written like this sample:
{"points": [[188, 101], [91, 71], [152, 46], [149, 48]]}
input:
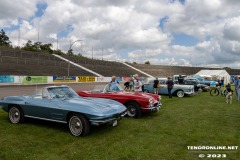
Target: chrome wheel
{"points": [[180, 94], [75, 126], [14, 115], [131, 111]]}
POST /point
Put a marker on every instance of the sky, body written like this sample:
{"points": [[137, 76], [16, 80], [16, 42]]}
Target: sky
{"points": [[164, 32]]}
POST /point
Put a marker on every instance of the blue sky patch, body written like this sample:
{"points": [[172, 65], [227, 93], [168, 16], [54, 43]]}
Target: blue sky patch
{"points": [[163, 21], [183, 40], [40, 9], [181, 1], [65, 32]]}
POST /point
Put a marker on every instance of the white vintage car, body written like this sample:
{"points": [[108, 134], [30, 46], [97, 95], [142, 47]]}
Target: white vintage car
{"points": [[178, 90]]}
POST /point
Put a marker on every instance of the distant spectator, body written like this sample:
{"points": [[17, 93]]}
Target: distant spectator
{"points": [[114, 80], [170, 85], [237, 87], [142, 81], [126, 85], [228, 88], [180, 79], [131, 83], [137, 84], [156, 85]]}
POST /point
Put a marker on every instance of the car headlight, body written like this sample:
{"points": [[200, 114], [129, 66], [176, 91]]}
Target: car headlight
{"points": [[150, 101]]}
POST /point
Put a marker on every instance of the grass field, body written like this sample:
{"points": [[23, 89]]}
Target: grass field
{"points": [[200, 120]]}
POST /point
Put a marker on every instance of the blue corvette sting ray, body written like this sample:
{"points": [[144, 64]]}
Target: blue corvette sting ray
{"points": [[62, 104]]}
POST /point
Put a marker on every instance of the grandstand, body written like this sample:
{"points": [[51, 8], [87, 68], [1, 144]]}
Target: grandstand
{"points": [[165, 71], [18, 62]]}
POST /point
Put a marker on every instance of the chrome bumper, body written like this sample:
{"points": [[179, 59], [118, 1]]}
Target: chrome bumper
{"points": [[154, 108], [189, 93]]}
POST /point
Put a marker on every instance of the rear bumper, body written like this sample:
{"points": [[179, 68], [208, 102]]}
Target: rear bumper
{"points": [[116, 117]]}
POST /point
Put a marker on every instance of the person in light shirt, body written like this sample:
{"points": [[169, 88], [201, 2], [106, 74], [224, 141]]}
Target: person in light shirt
{"points": [[137, 84]]}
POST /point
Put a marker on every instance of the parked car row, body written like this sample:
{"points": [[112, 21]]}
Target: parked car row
{"points": [[80, 110]]}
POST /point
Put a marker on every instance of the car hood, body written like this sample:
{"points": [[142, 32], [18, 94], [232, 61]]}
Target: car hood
{"points": [[133, 94], [97, 104]]}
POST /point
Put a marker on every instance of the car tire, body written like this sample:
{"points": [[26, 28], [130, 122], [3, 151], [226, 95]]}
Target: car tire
{"points": [[15, 114], [180, 94], [78, 125], [133, 110]]}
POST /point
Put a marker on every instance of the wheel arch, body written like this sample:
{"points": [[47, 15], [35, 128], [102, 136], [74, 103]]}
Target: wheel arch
{"points": [[129, 101], [12, 104], [175, 92], [73, 112]]}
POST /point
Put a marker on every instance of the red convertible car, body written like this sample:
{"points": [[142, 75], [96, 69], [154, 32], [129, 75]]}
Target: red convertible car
{"points": [[135, 102]]}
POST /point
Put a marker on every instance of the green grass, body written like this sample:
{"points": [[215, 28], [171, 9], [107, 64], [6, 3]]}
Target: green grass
{"points": [[165, 135]]}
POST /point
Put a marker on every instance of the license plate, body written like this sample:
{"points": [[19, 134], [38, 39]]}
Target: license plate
{"points": [[115, 123]]}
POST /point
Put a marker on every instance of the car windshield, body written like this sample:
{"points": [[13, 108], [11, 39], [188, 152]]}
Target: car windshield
{"points": [[62, 92], [113, 87]]}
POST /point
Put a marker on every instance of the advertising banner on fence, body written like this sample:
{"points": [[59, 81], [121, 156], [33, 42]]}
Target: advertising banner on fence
{"points": [[6, 79], [18, 79], [103, 79], [35, 79], [86, 79], [64, 79]]}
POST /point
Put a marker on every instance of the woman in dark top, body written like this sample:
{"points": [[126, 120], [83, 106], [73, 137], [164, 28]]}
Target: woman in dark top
{"points": [[155, 86], [170, 85]]}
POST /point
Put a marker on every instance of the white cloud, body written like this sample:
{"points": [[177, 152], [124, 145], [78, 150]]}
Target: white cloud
{"points": [[129, 29]]}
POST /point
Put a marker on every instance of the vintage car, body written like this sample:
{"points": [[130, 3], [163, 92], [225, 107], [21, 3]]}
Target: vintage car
{"points": [[197, 85], [62, 104], [201, 80], [178, 90], [135, 102]]}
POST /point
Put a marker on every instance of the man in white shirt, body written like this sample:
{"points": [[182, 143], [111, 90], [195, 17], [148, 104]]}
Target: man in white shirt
{"points": [[137, 84]]}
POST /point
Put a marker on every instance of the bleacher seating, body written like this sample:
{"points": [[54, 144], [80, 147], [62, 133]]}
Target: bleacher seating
{"points": [[19, 62]]}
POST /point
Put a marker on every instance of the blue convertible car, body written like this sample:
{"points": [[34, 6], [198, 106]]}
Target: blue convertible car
{"points": [[62, 104]]}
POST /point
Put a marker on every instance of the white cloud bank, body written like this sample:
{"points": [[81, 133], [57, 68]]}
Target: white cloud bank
{"points": [[130, 29]]}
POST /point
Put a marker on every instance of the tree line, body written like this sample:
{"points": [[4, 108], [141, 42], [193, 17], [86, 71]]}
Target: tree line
{"points": [[38, 47], [32, 46]]}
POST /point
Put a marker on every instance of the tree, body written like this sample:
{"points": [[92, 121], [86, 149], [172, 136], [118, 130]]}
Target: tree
{"points": [[70, 52], [38, 47], [58, 52], [147, 62], [30, 47], [4, 39], [46, 48], [134, 62]]}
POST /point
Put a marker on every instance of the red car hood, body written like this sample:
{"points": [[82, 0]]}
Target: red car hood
{"points": [[121, 93]]}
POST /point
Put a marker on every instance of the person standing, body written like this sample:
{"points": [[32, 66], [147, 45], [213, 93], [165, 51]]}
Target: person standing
{"points": [[170, 85], [137, 84], [237, 87], [131, 83], [114, 80], [155, 86]]}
